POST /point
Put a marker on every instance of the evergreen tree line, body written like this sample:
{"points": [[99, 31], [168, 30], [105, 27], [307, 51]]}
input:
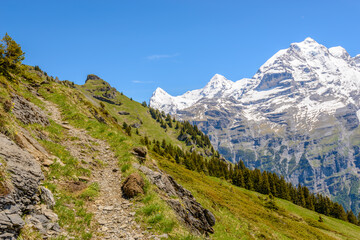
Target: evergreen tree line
{"points": [[188, 132], [260, 181]]}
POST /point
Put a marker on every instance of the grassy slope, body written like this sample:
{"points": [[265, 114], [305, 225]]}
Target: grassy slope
{"points": [[240, 213], [137, 112]]}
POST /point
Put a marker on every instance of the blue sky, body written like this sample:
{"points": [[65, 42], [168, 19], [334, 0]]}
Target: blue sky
{"points": [[177, 45]]}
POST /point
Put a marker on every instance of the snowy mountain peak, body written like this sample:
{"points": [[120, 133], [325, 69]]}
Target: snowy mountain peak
{"points": [[161, 100], [161, 91], [339, 52], [217, 77], [309, 47], [309, 40], [217, 83]]}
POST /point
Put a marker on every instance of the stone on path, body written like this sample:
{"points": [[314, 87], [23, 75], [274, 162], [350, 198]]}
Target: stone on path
{"points": [[133, 185]]}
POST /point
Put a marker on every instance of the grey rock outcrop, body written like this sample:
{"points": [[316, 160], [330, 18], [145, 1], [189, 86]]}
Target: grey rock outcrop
{"points": [[25, 174], [47, 197], [92, 77], [44, 221], [24, 196], [199, 219], [28, 112]]}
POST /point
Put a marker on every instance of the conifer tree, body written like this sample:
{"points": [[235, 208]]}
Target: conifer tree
{"points": [[265, 185], [10, 54], [351, 217], [337, 211], [300, 198]]}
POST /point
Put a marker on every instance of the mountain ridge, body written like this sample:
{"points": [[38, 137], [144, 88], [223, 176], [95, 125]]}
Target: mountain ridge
{"points": [[309, 47], [297, 116]]}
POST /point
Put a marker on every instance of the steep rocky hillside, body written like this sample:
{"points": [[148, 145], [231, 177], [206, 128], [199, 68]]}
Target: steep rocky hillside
{"points": [[298, 116], [87, 162]]}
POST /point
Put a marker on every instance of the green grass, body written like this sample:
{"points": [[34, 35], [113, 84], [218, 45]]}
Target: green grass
{"points": [[125, 167], [150, 209], [157, 215], [242, 214], [73, 215], [91, 192]]}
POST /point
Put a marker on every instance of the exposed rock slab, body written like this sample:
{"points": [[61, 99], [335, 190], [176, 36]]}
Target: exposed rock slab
{"points": [[199, 219], [28, 112], [25, 175], [47, 197]]}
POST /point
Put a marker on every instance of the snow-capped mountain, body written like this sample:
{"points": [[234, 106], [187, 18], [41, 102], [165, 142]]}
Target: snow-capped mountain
{"points": [[306, 68], [162, 100], [297, 116]]}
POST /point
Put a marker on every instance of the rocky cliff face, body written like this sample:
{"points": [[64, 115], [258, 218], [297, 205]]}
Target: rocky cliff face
{"points": [[24, 194], [23, 202], [297, 116]]}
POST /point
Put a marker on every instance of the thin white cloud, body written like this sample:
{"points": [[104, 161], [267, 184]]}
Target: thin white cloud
{"points": [[160, 56], [141, 82]]}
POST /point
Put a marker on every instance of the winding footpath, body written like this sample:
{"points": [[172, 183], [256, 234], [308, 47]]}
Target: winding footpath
{"points": [[114, 216]]}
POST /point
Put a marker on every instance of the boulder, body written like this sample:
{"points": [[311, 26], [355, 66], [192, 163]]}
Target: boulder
{"points": [[47, 197], [140, 152], [133, 185]]}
